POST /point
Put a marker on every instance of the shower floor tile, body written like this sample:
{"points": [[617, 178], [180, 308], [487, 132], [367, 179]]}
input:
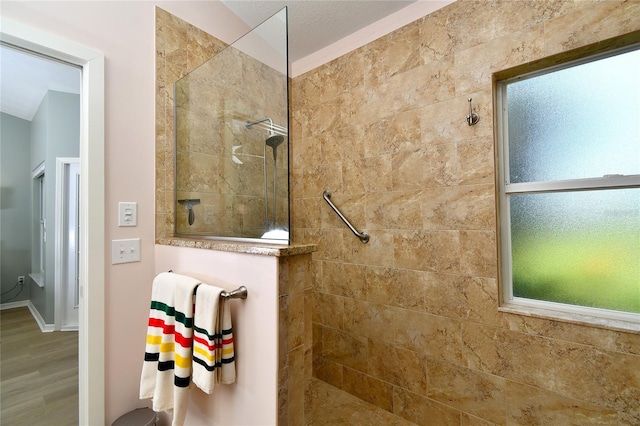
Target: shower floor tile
{"points": [[333, 407]]}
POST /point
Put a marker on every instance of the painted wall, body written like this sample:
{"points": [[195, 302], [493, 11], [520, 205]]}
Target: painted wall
{"points": [[124, 32], [55, 133], [15, 204], [414, 313], [252, 400]]}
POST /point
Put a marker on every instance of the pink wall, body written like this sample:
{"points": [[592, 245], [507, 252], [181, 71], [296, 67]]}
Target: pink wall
{"points": [[125, 33], [252, 400]]}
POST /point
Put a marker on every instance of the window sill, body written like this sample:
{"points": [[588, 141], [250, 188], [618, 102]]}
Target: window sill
{"points": [[571, 317], [37, 278]]}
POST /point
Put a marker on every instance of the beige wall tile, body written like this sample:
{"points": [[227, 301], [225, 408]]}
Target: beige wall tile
{"points": [[344, 348], [399, 367], [477, 393], [370, 389], [462, 207], [527, 405], [370, 320], [376, 252], [591, 22], [432, 335], [328, 310], [443, 248], [423, 411], [397, 287], [516, 356], [609, 379]]}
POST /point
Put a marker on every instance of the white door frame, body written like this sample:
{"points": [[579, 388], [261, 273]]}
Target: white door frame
{"points": [[92, 229], [61, 250]]}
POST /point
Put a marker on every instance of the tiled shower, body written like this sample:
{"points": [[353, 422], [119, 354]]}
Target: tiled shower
{"points": [[409, 322]]}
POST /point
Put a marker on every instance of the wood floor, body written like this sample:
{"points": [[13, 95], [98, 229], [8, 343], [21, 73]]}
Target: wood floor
{"points": [[38, 372]]}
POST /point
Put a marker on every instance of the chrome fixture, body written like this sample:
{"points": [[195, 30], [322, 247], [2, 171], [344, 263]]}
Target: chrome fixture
{"points": [[363, 236], [189, 203], [472, 118], [275, 138]]}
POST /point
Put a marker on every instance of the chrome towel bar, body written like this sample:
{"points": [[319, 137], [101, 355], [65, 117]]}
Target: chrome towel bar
{"points": [[238, 293], [363, 236]]}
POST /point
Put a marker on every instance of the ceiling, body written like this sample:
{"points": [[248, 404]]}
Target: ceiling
{"points": [[25, 79], [313, 25]]}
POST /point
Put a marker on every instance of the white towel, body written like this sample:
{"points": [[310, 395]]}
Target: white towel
{"points": [[213, 349], [166, 371]]}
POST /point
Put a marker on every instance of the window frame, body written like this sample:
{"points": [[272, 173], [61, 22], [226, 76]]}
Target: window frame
{"points": [[507, 301]]}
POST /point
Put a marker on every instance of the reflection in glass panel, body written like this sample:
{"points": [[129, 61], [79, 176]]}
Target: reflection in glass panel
{"points": [[575, 123], [578, 248], [232, 140]]}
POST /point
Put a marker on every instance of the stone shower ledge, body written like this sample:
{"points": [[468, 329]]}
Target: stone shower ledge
{"points": [[240, 247]]}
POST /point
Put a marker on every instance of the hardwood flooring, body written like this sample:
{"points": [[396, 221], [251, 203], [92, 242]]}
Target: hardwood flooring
{"points": [[38, 372]]}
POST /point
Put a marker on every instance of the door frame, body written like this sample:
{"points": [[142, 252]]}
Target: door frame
{"points": [[61, 279], [91, 363]]}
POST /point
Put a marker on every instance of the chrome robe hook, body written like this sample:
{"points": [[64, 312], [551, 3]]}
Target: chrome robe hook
{"points": [[472, 118]]}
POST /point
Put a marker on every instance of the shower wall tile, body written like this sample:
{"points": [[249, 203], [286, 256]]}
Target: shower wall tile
{"points": [[443, 248], [527, 405], [469, 420], [345, 349], [400, 367], [432, 335], [384, 128], [392, 55], [421, 410], [474, 392], [400, 288], [378, 251], [590, 23], [329, 310], [462, 207], [372, 390], [522, 358], [370, 320]]}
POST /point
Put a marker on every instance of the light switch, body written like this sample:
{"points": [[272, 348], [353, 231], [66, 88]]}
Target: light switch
{"points": [[127, 214], [125, 251]]}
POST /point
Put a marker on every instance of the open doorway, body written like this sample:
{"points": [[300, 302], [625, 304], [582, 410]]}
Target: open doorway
{"points": [[41, 98], [91, 206]]}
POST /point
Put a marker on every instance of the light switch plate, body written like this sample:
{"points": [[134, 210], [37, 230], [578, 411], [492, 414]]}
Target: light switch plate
{"points": [[125, 251], [127, 214]]}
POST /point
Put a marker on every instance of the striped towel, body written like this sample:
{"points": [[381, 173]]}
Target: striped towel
{"points": [[166, 371], [213, 352]]}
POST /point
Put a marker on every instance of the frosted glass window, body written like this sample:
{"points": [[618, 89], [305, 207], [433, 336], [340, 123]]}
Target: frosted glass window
{"points": [[579, 248], [569, 187], [575, 123]]}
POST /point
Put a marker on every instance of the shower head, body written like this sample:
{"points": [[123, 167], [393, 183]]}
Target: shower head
{"points": [[274, 141], [271, 127]]}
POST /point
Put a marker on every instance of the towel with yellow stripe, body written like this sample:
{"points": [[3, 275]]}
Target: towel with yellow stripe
{"points": [[213, 350], [166, 371]]}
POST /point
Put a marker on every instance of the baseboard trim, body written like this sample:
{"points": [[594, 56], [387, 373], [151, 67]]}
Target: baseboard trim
{"points": [[44, 327], [11, 305]]}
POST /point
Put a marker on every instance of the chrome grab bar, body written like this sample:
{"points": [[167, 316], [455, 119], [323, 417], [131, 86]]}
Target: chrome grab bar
{"points": [[364, 237]]}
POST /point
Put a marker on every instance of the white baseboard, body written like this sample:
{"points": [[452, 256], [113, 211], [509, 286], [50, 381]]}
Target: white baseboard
{"points": [[44, 327], [69, 328], [11, 305]]}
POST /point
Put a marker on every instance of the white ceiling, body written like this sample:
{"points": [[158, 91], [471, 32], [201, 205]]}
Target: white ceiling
{"points": [[25, 79], [313, 25]]}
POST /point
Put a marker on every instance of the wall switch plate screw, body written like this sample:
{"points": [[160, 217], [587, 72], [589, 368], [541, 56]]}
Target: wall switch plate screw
{"points": [[21, 279]]}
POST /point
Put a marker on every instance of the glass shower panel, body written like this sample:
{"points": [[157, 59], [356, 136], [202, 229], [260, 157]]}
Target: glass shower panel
{"points": [[232, 145]]}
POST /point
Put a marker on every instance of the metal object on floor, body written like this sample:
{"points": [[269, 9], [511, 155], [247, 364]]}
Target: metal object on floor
{"points": [[137, 417]]}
